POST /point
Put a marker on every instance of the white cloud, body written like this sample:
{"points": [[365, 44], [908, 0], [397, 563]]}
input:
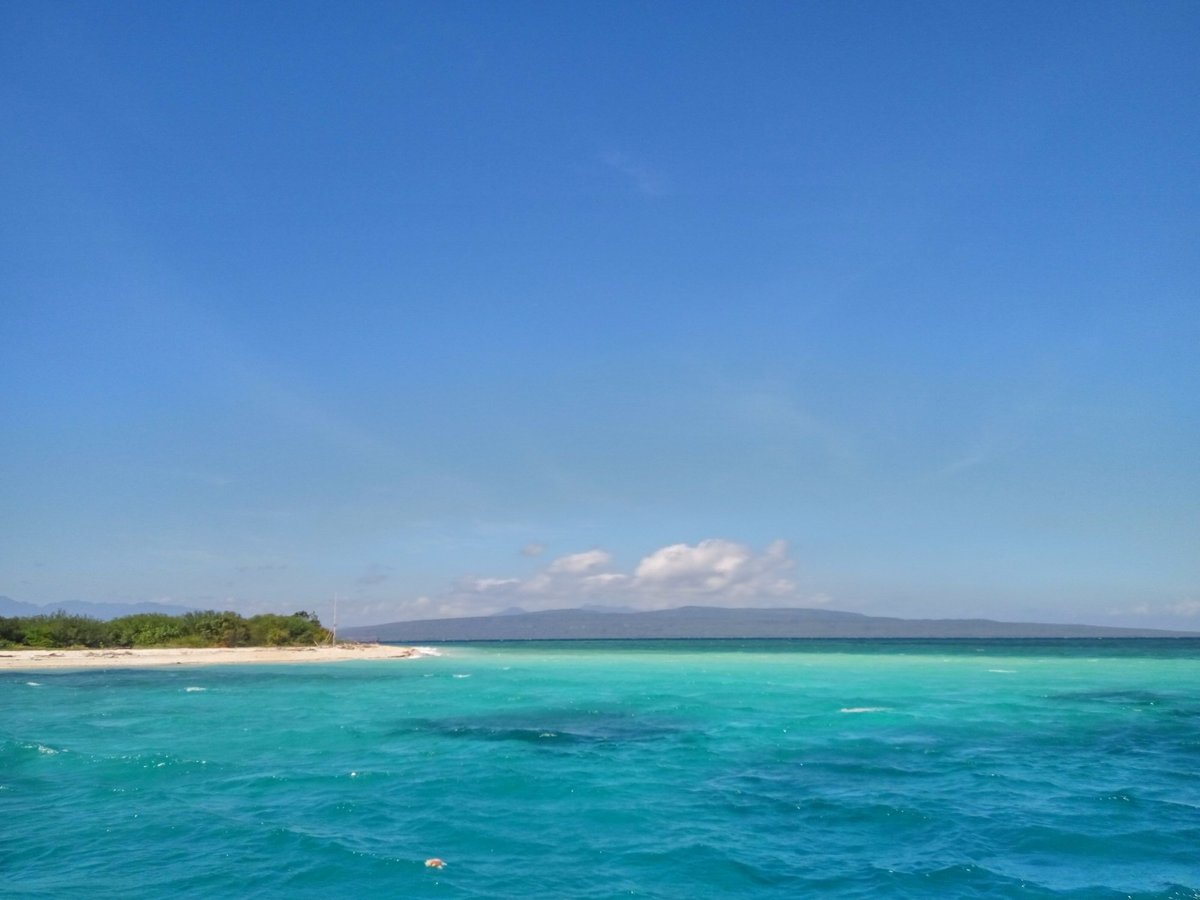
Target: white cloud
{"points": [[1186, 608], [483, 585], [604, 579], [579, 563], [534, 549], [717, 568], [713, 572]]}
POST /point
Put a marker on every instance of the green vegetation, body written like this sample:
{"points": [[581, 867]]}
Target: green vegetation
{"points": [[194, 629]]}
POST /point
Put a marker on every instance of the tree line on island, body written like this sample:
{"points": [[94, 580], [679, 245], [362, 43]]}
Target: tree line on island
{"points": [[194, 629]]}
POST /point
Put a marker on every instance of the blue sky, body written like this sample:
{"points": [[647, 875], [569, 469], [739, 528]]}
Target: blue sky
{"points": [[447, 308]]}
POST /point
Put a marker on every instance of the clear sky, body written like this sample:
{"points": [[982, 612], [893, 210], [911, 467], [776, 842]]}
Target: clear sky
{"points": [[453, 307]]}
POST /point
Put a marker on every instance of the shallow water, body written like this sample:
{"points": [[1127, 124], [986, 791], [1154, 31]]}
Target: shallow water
{"points": [[669, 770]]}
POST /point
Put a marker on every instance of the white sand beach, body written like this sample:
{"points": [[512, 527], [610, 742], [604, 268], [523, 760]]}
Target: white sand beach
{"points": [[206, 656]]}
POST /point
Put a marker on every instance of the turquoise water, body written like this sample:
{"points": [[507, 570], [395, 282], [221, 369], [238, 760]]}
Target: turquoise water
{"points": [[667, 770]]}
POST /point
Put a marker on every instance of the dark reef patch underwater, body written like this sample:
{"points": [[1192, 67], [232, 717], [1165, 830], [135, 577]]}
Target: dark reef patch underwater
{"points": [[660, 770]]}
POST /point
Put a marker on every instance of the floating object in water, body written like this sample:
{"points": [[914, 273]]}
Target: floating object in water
{"points": [[435, 863]]}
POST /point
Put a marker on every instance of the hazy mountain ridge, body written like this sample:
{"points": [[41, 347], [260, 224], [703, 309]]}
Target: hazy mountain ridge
{"points": [[721, 622], [103, 611]]}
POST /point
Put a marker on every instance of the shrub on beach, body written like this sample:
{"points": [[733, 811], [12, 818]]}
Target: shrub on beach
{"points": [[273, 630], [146, 630], [195, 629], [62, 630]]}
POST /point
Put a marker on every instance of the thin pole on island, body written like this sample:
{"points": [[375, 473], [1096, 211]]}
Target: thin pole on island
{"points": [[333, 638]]}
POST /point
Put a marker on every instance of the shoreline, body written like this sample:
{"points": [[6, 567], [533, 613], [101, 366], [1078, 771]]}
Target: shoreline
{"points": [[117, 658]]}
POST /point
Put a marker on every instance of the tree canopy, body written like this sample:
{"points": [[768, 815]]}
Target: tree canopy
{"points": [[194, 629]]}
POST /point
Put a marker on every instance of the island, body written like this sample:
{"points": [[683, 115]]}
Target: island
{"points": [[61, 641]]}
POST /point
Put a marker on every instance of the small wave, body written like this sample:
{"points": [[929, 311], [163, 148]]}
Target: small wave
{"points": [[426, 651], [49, 751], [34, 683], [462, 676], [863, 709], [1004, 671], [192, 690], [548, 726], [1127, 698]]}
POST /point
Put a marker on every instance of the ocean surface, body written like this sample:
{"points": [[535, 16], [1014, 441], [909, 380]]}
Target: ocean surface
{"points": [[615, 769]]}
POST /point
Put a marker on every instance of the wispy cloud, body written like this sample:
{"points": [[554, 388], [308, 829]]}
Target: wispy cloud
{"points": [[644, 179], [1187, 608], [210, 479], [773, 412], [247, 568], [375, 574], [1000, 434]]}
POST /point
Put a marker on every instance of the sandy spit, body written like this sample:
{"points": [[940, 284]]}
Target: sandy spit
{"points": [[206, 656]]}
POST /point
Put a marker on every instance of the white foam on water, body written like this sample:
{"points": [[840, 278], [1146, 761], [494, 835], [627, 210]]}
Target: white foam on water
{"points": [[34, 683], [49, 751], [1004, 671], [192, 690], [426, 651], [863, 709], [462, 676]]}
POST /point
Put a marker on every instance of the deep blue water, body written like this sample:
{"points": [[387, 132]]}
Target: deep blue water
{"points": [[669, 770]]}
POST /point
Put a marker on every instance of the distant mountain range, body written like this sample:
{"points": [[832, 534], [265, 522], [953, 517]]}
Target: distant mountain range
{"points": [[105, 611], [691, 622]]}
